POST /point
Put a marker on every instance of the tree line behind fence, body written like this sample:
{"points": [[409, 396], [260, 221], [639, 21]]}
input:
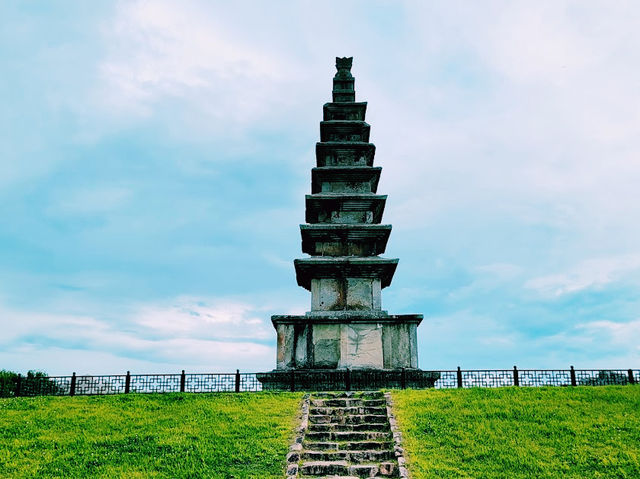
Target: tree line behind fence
{"points": [[40, 384]]}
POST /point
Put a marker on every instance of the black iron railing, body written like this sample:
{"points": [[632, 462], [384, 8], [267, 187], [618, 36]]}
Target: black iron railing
{"points": [[248, 382]]}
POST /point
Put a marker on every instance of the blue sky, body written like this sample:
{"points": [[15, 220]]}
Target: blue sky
{"points": [[154, 158]]}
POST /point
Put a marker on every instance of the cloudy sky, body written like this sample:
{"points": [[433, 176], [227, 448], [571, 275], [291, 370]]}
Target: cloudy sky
{"points": [[154, 157]]}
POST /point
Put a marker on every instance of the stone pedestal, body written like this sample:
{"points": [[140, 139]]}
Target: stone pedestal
{"points": [[341, 340]]}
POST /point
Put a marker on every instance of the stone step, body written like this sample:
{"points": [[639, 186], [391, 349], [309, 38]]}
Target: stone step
{"points": [[347, 446], [327, 477], [316, 436], [349, 419], [347, 402], [316, 468], [348, 411], [349, 394], [383, 426], [366, 455], [328, 468]]}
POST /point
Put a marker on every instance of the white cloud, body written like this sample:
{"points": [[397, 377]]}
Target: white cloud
{"points": [[160, 50], [208, 334], [592, 273], [201, 318], [616, 334]]}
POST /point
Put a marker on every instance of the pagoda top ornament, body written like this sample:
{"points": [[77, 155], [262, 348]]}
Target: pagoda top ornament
{"points": [[343, 66]]}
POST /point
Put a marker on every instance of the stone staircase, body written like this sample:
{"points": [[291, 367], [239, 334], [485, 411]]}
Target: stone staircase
{"points": [[348, 436]]}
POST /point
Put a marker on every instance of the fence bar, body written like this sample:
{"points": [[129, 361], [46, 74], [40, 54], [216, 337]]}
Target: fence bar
{"points": [[516, 379], [19, 385], [127, 383], [183, 381], [403, 379], [573, 376], [72, 388], [632, 380], [237, 380], [459, 377], [293, 381], [347, 380]]}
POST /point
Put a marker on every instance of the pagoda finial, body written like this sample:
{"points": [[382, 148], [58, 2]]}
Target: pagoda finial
{"points": [[344, 67]]}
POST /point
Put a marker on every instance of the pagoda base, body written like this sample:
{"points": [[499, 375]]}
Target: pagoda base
{"points": [[346, 379], [347, 340]]}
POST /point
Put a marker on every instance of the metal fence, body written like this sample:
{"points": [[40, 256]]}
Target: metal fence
{"points": [[248, 382], [493, 378]]}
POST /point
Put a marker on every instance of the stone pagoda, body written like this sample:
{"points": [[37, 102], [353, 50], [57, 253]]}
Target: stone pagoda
{"points": [[347, 340]]}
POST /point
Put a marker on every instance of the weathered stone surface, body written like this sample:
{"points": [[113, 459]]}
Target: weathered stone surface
{"points": [[285, 336], [362, 293], [338, 338], [327, 294], [326, 345], [398, 346], [301, 342], [361, 346]]}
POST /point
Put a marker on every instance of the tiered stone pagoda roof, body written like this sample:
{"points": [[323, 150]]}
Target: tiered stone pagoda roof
{"points": [[343, 233]]}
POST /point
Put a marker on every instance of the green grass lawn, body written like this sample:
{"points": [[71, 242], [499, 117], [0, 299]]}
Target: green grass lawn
{"points": [[583, 432], [227, 436]]}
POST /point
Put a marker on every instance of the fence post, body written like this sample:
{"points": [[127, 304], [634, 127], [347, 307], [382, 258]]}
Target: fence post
{"points": [[632, 380], [573, 376], [516, 378], [293, 381], [237, 380], [347, 380], [72, 389], [183, 381], [127, 383], [19, 385], [403, 379], [459, 377]]}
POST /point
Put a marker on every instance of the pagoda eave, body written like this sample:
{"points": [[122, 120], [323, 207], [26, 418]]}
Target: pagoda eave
{"points": [[346, 239], [344, 111], [344, 131], [341, 208], [343, 268], [339, 153], [363, 179]]}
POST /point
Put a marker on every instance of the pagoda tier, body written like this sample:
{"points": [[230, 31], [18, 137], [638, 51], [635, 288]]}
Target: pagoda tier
{"points": [[344, 267], [344, 111], [344, 130], [344, 240], [345, 208], [336, 153], [345, 179]]}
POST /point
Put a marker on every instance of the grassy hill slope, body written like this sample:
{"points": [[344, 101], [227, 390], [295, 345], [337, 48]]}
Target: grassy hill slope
{"points": [[583, 432], [147, 436]]}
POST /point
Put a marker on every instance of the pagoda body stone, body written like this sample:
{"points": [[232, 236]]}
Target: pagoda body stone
{"points": [[346, 329]]}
